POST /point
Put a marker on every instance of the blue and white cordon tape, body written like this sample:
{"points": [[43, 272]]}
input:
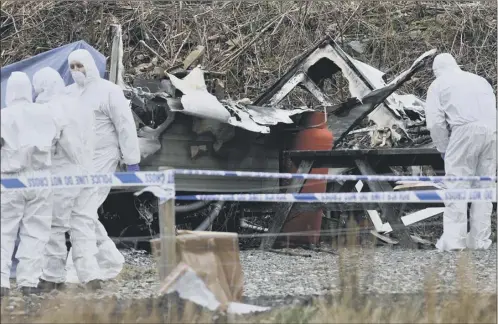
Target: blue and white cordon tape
{"points": [[423, 196], [118, 179], [158, 178], [166, 180], [329, 177]]}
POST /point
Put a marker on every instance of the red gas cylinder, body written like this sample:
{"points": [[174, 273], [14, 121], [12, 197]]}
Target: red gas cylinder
{"points": [[318, 138]]}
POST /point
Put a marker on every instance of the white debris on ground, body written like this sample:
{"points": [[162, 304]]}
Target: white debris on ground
{"points": [[379, 271]]}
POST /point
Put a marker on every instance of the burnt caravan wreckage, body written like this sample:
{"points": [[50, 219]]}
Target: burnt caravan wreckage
{"points": [[182, 122]]}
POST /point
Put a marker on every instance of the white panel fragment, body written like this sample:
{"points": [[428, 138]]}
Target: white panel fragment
{"points": [[359, 185]]}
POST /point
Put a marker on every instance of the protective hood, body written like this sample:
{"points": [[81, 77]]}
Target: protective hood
{"points": [[47, 83], [85, 58], [444, 63], [18, 89]]}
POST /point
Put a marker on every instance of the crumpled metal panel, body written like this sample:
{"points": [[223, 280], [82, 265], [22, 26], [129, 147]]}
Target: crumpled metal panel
{"points": [[376, 99], [258, 119], [197, 101]]}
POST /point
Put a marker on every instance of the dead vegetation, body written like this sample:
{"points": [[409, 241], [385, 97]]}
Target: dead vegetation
{"points": [[253, 43], [463, 308], [428, 306]]}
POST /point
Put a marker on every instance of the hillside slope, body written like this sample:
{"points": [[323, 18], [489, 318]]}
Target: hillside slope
{"points": [[255, 42]]}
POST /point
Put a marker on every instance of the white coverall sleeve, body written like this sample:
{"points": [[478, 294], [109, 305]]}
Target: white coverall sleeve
{"points": [[59, 118], [122, 118], [63, 137], [436, 120]]}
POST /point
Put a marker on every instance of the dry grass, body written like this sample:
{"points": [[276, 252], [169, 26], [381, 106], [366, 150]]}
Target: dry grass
{"points": [[461, 309], [350, 306], [254, 42], [427, 307]]}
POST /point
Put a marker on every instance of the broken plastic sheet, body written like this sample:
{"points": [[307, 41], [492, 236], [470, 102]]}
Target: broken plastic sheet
{"points": [[198, 102], [364, 81], [411, 102], [257, 118], [272, 116], [397, 102], [384, 115], [190, 287], [375, 77]]}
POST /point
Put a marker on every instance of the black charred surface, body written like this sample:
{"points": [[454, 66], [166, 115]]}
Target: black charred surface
{"points": [[392, 156]]}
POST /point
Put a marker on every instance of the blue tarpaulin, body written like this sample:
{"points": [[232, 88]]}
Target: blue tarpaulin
{"points": [[56, 59]]}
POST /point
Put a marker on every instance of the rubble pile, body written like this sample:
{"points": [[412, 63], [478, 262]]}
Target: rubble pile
{"points": [[373, 115], [372, 136]]}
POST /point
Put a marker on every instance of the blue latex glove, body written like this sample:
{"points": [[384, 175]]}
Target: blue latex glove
{"points": [[132, 168]]}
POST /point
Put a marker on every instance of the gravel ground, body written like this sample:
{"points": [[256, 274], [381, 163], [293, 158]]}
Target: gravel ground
{"points": [[272, 277], [381, 270]]}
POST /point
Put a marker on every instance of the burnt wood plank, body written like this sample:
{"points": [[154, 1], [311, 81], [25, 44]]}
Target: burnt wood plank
{"points": [[388, 157], [388, 210], [347, 207], [283, 209], [343, 207]]}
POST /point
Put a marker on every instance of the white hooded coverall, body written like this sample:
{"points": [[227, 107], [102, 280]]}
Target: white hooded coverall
{"points": [[28, 132], [461, 117], [115, 138], [72, 206]]}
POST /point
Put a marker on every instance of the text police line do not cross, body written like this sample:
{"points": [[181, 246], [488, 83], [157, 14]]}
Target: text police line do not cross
{"points": [[346, 197], [91, 180]]}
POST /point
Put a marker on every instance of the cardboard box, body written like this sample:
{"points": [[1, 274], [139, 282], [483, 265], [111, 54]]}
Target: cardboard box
{"points": [[214, 256]]}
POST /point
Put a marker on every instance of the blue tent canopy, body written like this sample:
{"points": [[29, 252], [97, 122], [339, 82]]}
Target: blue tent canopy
{"points": [[56, 59]]}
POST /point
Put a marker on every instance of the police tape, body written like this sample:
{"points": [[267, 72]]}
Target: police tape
{"points": [[425, 196], [329, 177], [118, 179], [167, 177]]}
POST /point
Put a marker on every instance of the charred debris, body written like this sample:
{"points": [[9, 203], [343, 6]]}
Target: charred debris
{"points": [[185, 120], [373, 115]]}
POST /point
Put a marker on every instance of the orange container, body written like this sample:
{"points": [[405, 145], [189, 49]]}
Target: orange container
{"points": [[319, 138]]}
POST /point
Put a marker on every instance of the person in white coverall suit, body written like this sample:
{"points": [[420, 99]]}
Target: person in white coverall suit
{"points": [[28, 132], [115, 139], [461, 117], [72, 206], [49, 85]]}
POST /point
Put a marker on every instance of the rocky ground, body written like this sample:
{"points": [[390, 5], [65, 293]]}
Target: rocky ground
{"points": [[272, 279]]}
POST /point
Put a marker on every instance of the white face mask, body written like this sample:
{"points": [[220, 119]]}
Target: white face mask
{"points": [[78, 77]]}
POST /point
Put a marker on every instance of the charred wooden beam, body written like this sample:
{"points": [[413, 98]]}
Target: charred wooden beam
{"points": [[390, 157], [283, 209], [336, 207], [388, 210], [340, 207]]}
